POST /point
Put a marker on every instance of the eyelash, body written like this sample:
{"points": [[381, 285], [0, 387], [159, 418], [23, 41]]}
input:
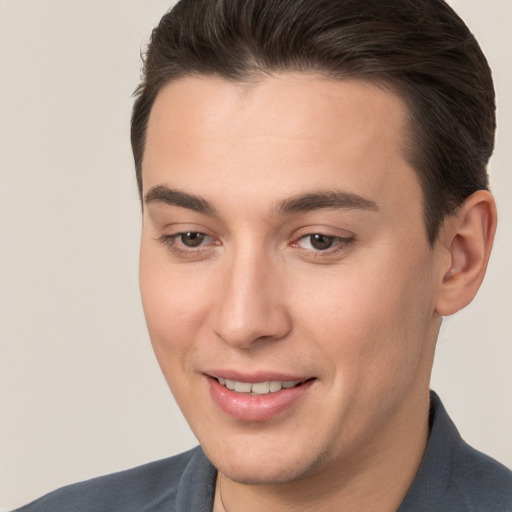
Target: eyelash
{"points": [[339, 244], [171, 242]]}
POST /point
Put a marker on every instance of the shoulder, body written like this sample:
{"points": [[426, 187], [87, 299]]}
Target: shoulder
{"points": [[480, 481], [131, 490], [454, 476]]}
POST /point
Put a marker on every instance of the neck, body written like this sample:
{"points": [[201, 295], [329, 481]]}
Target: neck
{"points": [[376, 479]]}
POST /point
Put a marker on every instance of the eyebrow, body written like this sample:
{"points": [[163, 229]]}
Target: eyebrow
{"points": [[329, 199], [164, 195]]}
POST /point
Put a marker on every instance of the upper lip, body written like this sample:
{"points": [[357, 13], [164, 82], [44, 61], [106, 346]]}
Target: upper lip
{"points": [[256, 376]]}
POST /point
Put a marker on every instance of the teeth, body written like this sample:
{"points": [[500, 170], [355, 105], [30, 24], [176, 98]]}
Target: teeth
{"points": [[261, 388], [275, 386], [243, 387], [258, 388]]}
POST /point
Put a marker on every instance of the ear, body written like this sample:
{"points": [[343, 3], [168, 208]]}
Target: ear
{"points": [[468, 235]]}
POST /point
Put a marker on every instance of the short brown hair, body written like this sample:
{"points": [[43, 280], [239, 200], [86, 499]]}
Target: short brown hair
{"points": [[419, 48]]}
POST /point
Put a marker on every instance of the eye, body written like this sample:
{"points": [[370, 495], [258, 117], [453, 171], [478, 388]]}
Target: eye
{"points": [[191, 239], [188, 244], [320, 242], [319, 245], [317, 242]]}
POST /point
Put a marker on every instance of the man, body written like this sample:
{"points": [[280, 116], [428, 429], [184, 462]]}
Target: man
{"points": [[314, 191]]}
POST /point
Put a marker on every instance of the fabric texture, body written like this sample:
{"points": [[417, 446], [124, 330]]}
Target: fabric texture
{"points": [[453, 477]]}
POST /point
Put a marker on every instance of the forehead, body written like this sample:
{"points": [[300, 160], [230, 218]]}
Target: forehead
{"points": [[286, 105], [279, 130]]}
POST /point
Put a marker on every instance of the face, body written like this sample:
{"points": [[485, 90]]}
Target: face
{"points": [[284, 255]]}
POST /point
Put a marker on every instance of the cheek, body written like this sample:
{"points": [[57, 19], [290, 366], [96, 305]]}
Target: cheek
{"points": [[371, 323], [174, 301], [174, 315]]}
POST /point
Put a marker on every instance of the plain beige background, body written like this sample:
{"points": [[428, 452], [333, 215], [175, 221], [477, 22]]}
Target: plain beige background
{"points": [[80, 391]]}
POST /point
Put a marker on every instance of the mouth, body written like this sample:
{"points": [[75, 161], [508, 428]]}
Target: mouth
{"points": [[258, 388], [255, 399]]}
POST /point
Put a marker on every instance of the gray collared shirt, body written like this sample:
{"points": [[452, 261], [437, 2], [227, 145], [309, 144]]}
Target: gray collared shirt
{"points": [[453, 477]]}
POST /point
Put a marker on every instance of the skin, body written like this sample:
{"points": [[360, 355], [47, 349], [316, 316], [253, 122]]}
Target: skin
{"points": [[361, 317]]}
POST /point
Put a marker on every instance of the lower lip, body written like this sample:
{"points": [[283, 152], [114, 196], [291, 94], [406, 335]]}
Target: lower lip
{"points": [[247, 407]]}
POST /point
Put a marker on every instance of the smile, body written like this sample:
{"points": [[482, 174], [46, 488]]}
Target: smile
{"points": [[258, 388], [260, 400]]}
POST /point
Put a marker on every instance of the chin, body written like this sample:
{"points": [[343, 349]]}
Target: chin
{"points": [[256, 467], [250, 475]]}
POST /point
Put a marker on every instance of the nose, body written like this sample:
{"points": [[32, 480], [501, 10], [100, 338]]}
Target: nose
{"points": [[252, 306]]}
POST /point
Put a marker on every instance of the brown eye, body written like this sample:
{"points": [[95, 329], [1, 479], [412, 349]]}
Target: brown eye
{"points": [[321, 242], [192, 239]]}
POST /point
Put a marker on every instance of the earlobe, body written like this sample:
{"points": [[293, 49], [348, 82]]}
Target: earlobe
{"points": [[469, 235]]}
